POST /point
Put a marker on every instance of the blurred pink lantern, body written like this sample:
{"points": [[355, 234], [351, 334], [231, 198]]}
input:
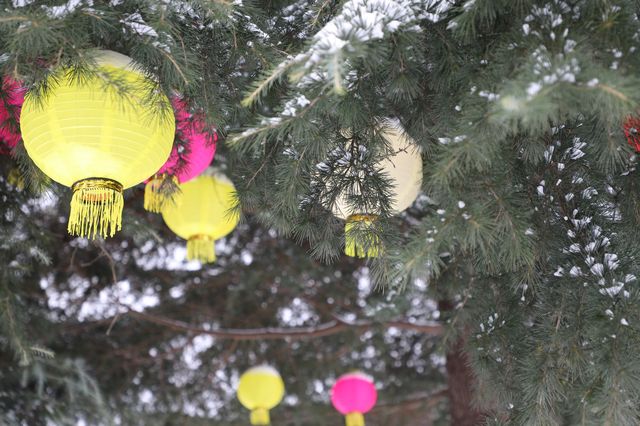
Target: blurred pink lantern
{"points": [[353, 395], [11, 99], [187, 160]]}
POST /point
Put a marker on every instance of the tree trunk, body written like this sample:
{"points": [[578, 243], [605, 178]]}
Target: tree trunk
{"points": [[461, 385], [461, 382]]}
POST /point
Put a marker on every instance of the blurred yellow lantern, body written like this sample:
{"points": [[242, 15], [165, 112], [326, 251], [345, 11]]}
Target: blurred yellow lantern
{"points": [[98, 134], [201, 213], [404, 170], [260, 389]]}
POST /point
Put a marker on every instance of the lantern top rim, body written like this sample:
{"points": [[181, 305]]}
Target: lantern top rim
{"points": [[115, 59], [262, 369], [357, 374]]}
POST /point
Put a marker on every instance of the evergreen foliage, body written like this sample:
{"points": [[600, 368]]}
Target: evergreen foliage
{"points": [[523, 244], [518, 107]]}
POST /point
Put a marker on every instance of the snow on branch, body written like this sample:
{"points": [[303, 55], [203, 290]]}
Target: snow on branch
{"points": [[361, 21]]}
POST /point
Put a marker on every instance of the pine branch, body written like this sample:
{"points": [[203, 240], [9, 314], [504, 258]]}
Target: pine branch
{"points": [[276, 75], [42, 352], [14, 332]]}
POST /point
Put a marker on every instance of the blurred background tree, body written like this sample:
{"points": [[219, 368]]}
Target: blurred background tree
{"points": [[141, 336], [507, 294]]}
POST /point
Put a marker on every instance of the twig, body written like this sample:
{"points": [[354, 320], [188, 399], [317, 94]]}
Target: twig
{"points": [[326, 329], [113, 322], [112, 263]]}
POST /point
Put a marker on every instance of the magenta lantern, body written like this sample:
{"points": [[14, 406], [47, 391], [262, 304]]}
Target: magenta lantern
{"points": [[11, 99], [185, 162], [353, 395]]}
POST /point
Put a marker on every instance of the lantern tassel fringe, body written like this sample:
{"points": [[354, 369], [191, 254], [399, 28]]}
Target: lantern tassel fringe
{"points": [[155, 194], [260, 417], [354, 419], [96, 208], [202, 248], [360, 238], [15, 179]]}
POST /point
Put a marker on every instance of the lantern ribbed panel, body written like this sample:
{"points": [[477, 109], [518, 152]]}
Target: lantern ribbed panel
{"points": [[404, 169], [260, 388], [202, 208], [86, 130]]}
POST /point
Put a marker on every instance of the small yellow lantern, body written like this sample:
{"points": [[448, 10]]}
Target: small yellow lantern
{"points": [[97, 135], [404, 169], [201, 213], [260, 389]]}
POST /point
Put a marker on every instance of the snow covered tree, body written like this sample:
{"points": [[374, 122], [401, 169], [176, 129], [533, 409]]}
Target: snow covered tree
{"points": [[507, 294], [528, 224]]}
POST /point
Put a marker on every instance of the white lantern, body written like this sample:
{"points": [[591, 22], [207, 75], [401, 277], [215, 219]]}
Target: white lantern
{"points": [[403, 168]]}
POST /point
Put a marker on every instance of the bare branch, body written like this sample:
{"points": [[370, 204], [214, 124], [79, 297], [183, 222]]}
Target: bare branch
{"points": [[326, 329]]}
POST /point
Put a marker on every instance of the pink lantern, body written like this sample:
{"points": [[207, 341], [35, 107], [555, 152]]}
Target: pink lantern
{"points": [[187, 160], [353, 395], [11, 100]]}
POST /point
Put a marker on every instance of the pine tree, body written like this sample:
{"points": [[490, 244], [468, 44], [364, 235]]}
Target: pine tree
{"points": [[522, 245], [518, 107]]}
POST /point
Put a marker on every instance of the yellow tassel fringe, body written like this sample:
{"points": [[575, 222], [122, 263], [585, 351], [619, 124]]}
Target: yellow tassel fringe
{"points": [[354, 419], [202, 248], [96, 208], [153, 198], [15, 179], [360, 239], [260, 417]]}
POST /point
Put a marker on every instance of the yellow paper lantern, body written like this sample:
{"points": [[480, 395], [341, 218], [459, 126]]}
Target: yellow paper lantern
{"points": [[260, 389], [404, 170], [201, 213], [98, 135]]}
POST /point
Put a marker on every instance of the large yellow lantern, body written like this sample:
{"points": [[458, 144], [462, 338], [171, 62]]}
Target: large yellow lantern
{"points": [[260, 389], [98, 134], [201, 213], [404, 170]]}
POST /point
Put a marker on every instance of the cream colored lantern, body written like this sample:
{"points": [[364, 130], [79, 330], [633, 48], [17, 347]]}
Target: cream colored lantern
{"points": [[404, 169]]}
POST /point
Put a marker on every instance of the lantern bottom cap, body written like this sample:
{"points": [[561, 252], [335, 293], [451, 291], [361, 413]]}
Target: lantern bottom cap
{"points": [[159, 190], [96, 208], [201, 248], [360, 238], [260, 417], [354, 419]]}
